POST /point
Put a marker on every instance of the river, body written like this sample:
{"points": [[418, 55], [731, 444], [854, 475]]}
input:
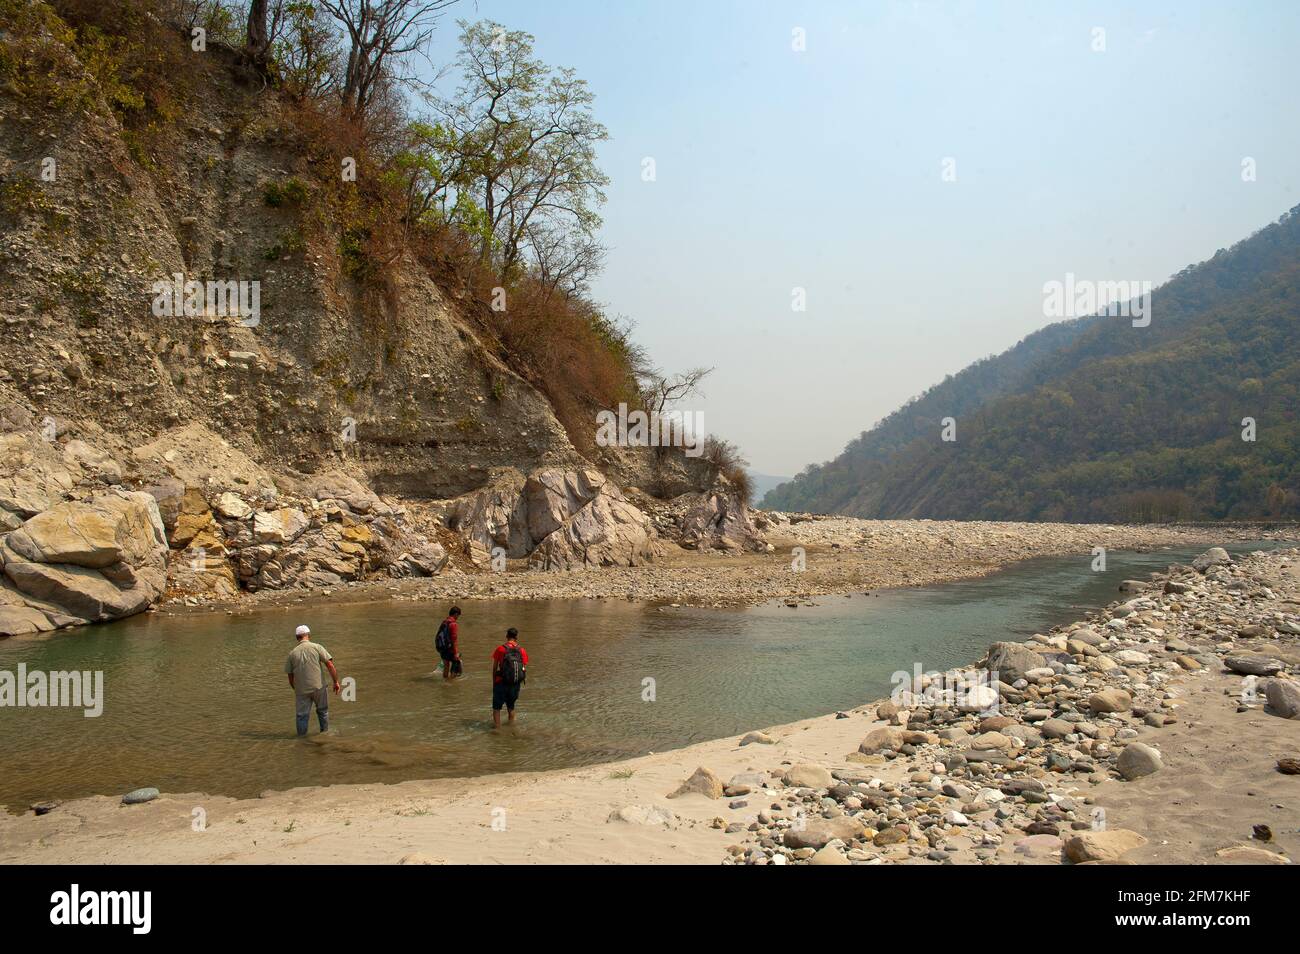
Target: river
{"points": [[200, 703]]}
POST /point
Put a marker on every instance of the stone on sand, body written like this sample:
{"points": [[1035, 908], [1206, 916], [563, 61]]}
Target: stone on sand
{"points": [[1056, 728], [887, 710], [1038, 846], [1138, 759], [1253, 665], [807, 775], [829, 855], [642, 815], [816, 832], [1110, 700], [889, 836], [702, 782], [1283, 697], [1102, 845], [996, 723], [1132, 657], [881, 740]]}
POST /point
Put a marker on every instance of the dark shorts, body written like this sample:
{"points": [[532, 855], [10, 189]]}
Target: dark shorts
{"points": [[447, 656], [503, 695]]}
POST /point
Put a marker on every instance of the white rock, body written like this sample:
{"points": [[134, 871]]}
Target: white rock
{"points": [[232, 506], [1131, 657], [642, 815], [977, 699]]}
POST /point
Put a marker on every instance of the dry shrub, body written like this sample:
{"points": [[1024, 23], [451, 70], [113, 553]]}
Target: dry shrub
{"points": [[562, 345], [724, 458], [139, 58], [572, 353]]}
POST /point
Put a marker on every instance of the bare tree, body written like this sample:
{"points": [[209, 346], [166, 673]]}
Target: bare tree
{"points": [[382, 34], [659, 391], [563, 261]]}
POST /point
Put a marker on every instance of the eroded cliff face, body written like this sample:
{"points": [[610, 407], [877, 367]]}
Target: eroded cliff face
{"points": [[398, 384], [300, 428], [558, 519], [91, 532]]}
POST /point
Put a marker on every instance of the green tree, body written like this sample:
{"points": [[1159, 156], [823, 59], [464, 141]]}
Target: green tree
{"points": [[520, 142]]}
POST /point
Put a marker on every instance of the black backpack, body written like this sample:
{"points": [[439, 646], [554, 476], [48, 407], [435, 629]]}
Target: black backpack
{"points": [[511, 667], [442, 642]]}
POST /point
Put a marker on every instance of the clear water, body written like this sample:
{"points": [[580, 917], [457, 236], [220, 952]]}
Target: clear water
{"points": [[200, 703]]}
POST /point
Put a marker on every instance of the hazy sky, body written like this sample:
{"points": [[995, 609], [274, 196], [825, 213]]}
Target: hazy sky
{"points": [[823, 169]]}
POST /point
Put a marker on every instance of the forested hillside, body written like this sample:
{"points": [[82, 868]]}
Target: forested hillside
{"points": [[1094, 419]]}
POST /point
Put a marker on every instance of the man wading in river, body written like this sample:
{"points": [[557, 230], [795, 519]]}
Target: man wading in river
{"points": [[509, 669], [306, 667], [447, 642]]}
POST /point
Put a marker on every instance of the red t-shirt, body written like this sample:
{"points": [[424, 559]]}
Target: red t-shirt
{"points": [[454, 632], [499, 654]]}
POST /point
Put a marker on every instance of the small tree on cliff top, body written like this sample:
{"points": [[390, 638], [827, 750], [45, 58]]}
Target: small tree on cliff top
{"points": [[521, 144]]}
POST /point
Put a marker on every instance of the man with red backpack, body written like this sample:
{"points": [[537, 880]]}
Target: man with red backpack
{"points": [[447, 642], [509, 669]]}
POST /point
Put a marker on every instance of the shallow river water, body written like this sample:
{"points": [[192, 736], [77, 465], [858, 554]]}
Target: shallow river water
{"points": [[200, 703]]}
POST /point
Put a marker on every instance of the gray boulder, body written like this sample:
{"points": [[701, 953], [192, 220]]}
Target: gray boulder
{"points": [[719, 520], [606, 531], [561, 519], [1253, 665], [1012, 660], [1137, 760], [1283, 697], [1215, 556], [817, 832]]}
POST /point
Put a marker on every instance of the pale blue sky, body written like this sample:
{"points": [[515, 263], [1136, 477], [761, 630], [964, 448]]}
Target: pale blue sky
{"points": [[822, 169]]}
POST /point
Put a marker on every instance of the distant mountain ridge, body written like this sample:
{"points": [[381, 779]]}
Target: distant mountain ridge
{"points": [[764, 482], [1093, 419]]}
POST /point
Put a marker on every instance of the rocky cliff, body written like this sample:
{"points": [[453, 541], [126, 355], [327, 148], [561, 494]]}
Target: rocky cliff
{"points": [[325, 430]]}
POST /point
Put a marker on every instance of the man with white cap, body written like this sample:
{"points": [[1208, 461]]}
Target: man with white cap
{"points": [[306, 666]]}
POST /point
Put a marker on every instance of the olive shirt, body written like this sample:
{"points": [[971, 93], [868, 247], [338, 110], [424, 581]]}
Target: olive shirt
{"points": [[307, 663]]}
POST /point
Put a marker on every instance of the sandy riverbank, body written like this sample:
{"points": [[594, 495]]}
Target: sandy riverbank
{"points": [[1022, 787], [841, 555]]}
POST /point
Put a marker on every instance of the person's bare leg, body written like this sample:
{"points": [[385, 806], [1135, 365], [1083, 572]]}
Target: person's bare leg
{"points": [[512, 716], [496, 718]]}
